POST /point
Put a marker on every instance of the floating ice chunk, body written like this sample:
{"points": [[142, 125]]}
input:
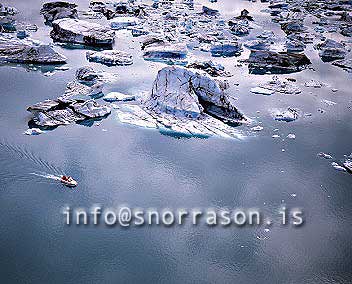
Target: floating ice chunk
{"points": [[213, 69], [281, 86], [189, 93], [239, 28], [110, 57], [257, 44], [91, 109], [166, 51], [7, 10], [337, 167], [294, 45], [348, 165], [226, 49], [58, 10], [288, 115], [116, 96], [314, 84], [262, 91], [257, 128], [345, 64], [264, 61], [86, 74], [33, 131], [123, 22], [28, 51], [330, 50], [81, 32], [329, 103], [135, 115], [209, 11]]}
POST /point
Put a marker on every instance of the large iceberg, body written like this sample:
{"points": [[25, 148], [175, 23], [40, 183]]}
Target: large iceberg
{"points": [[13, 50], [81, 32], [190, 93], [185, 102]]}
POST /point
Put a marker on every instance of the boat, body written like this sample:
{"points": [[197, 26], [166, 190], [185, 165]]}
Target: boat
{"points": [[68, 181]]}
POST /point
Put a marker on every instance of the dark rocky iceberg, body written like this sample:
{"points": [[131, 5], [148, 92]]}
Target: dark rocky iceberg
{"points": [[264, 61]]}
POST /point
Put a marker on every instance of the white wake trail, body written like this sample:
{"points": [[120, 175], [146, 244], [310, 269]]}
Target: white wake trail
{"points": [[47, 176]]}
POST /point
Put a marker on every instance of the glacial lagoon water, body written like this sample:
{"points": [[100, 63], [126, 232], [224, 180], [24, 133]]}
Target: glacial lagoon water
{"points": [[121, 164]]}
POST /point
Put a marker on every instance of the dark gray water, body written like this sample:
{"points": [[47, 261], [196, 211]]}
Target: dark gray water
{"points": [[142, 168]]}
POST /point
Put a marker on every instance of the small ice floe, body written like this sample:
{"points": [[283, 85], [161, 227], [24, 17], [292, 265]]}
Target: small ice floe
{"points": [[329, 103], [291, 136], [262, 91], [257, 128], [330, 50], [314, 84], [286, 86], [33, 131], [123, 22], [288, 115], [116, 96], [257, 44], [226, 49], [337, 167], [166, 52], [49, 73], [324, 155], [345, 64], [21, 34], [110, 57]]}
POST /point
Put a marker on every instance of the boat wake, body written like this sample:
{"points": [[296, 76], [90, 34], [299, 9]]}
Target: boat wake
{"points": [[47, 176], [38, 166]]}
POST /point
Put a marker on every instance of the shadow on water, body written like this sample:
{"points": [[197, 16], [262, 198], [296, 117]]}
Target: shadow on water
{"points": [[73, 46]]}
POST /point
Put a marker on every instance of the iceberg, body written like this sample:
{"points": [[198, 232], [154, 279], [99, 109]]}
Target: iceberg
{"points": [[81, 32], [119, 23], [110, 57], [116, 96], [14, 50]]}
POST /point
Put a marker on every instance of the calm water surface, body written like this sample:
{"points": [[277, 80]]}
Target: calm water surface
{"points": [[138, 167]]}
